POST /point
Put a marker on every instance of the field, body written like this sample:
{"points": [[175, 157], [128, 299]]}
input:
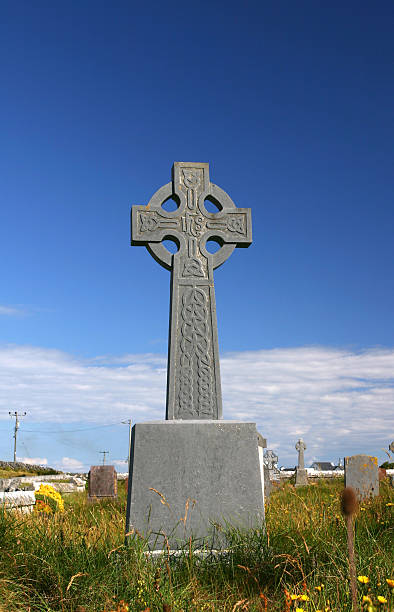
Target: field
{"points": [[77, 561]]}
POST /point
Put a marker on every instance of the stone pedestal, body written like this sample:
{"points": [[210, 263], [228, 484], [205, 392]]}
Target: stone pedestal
{"points": [[301, 477], [191, 478]]}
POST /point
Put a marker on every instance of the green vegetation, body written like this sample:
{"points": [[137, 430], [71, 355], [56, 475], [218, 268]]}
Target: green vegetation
{"points": [[77, 561], [12, 470]]}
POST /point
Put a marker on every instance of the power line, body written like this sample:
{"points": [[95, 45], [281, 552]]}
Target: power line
{"points": [[52, 431]]}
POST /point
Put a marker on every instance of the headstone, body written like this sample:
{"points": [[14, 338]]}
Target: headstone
{"points": [[271, 463], [192, 472], [391, 447], [361, 473], [301, 477], [102, 482]]}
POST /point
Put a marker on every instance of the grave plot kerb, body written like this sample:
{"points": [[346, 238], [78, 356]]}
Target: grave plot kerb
{"points": [[193, 375]]}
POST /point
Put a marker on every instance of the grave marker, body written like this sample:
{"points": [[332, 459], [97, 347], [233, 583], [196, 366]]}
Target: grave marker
{"points": [[361, 473], [301, 478], [102, 482], [192, 470]]}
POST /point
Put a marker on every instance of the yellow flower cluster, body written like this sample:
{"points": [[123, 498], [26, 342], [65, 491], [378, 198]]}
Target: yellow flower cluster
{"points": [[50, 498]]}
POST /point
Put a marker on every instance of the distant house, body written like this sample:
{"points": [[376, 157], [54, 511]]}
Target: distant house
{"points": [[323, 466]]}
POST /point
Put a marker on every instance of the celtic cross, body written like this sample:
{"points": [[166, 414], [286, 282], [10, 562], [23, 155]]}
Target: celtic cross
{"points": [[193, 375], [300, 447], [270, 459]]}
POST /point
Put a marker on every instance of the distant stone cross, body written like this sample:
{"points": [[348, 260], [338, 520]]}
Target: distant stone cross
{"points": [[300, 447], [193, 375], [270, 459]]}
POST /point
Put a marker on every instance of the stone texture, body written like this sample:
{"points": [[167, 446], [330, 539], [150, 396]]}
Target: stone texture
{"points": [[193, 376], [265, 474], [301, 447], [301, 477], [188, 476], [361, 473], [102, 481], [267, 484], [18, 500]]}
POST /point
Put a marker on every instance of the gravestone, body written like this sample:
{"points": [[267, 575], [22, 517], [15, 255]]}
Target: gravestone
{"points": [[193, 472], [271, 464], [102, 482], [301, 478], [391, 447], [361, 473]]}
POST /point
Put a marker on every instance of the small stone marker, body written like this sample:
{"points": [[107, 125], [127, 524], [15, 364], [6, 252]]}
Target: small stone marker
{"points": [[193, 472], [301, 477], [271, 463], [361, 473], [102, 482], [391, 447]]}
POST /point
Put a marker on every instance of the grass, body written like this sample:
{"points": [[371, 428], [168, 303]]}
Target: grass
{"points": [[9, 472], [77, 561]]}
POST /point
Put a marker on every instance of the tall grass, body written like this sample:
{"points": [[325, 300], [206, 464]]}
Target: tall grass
{"points": [[77, 561]]}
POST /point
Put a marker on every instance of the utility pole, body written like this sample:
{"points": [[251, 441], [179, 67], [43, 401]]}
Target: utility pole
{"points": [[16, 415], [129, 422], [104, 453]]}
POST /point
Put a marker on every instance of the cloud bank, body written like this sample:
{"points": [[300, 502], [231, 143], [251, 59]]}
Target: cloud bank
{"points": [[340, 401]]}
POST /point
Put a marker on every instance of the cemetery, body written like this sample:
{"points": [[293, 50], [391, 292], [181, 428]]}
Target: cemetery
{"points": [[205, 519]]}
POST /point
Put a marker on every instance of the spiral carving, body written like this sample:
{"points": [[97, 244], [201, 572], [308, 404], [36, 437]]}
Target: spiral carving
{"points": [[194, 346]]}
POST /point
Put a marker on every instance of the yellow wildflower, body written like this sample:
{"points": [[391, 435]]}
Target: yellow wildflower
{"points": [[304, 597], [390, 582], [390, 504], [294, 597], [363, 579], [382, 599], [319, 587], [300, 610], [367, 599]]}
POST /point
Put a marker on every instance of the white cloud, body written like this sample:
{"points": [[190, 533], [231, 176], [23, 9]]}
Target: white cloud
{"points": [[340, 401], [12, 311], [68, 463], [33, 460]]}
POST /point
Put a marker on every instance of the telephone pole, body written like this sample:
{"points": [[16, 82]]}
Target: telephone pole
{"points": [[129, 422], [104, 453], [16, 415]]}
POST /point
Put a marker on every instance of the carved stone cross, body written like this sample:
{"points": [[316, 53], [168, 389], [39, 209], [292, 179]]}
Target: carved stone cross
{"points": [[300, 447], [193, 375], [270, 459]]}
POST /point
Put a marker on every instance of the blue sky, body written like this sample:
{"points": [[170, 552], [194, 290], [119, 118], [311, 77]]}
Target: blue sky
{"points": [[291, 104]]}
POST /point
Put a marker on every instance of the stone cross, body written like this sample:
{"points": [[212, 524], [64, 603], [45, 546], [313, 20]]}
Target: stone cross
{"points": [[300, 447], [270, 459], [193, 375]]}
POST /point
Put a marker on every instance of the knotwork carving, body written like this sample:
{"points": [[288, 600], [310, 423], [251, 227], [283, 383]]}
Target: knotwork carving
{"points": [[195, 360], [191, 178], [148, 223], [236, 224], [193, 267]]}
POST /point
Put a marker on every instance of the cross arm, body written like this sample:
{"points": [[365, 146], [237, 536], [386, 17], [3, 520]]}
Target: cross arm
{"points": [[150, 226]]}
